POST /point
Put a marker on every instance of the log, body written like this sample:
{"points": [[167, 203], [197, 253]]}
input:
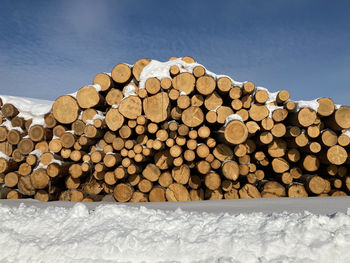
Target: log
{"points": [[13, 194], [279, 115], [282, 97], [59, 130], [152, 85], [314, 183], [279, 130], [202, 151], [104, 80], [205, 85], [183, 102], [203, 167], [78, 127], [329, 138], [42, 196], [261, 96], [130, 107], [340, 119], [139, 66], [301, 140], [343, 140], [91, 131], [174, 70], [114, 119], [151, 172], [286, 178], [249, 191], [75, 170], [194, 182], [114, 97], [49, 119], [37, 133], [277, 148], [89, 97], [213, 195], [42, 146], [25, 186], [258, 112], [240, 150], [40, 179], [163, 160], [211, 117], [145, 186], [325, 107], [248, 87], [306, 117], [223, 152], [313, 131], [165, 179], [177, 192], [230, 169], [24, 169], [213, 101], [280, 165], [121, 73], [266, 137], [224, 84], [72, 195], [212, 181], [173, 94], [247, 101], [157, 194], [65, 109], [156, 108], [235, 132], [311, 163], [273, 189], [232, 194], [11, 179], [166, 83], [67, 140], [9, 111], [235, 93], [184, 82], [3, 133], [56, 170], [25, 146], [13, 136], [236, 104], [192, 116], [188, 59], [293, 131], [198, 71], [252, 127], [337, 155], [181, 174], [289, 105], [138, 197], [215, 164]]}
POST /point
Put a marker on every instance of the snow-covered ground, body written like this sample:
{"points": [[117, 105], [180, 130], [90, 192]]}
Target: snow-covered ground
{"points": [[124, 233]]}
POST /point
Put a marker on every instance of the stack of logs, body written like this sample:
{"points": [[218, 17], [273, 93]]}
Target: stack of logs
{"points": [[169, 141]]}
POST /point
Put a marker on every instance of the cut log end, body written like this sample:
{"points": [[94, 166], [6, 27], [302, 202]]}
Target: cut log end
{"points": [[236, 132], [65, 109]]}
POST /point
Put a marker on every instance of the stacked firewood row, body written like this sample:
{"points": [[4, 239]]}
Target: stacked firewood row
{"points": [[189, 136]]}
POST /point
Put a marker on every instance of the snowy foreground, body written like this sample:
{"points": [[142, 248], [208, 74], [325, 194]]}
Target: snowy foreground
{"points": [[124, 233]]}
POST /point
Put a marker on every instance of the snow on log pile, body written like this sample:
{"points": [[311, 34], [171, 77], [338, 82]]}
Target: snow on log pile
{"points": [[172, 131]]}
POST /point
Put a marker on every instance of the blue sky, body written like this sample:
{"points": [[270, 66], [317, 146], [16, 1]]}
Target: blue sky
{"points": [[50, 48]]}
